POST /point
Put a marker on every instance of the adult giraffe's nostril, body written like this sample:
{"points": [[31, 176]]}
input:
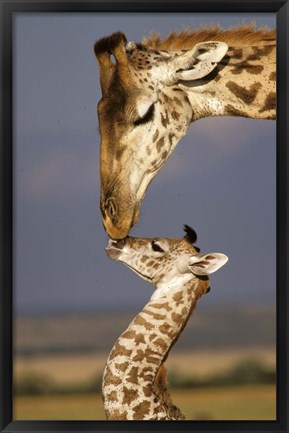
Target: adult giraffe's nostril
{"points": [[111, 209]]}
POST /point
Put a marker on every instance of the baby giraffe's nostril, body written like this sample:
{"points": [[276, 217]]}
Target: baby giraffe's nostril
{"points": [[119, 244]]}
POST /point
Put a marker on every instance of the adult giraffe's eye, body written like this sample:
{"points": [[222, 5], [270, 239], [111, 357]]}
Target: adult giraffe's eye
{"points": [[147, 117], [156, 247]]}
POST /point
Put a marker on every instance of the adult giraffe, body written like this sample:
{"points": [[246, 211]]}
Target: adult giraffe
{"points": [[151, 92]]}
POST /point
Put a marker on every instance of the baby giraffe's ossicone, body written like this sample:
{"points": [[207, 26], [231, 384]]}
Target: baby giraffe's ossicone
{"points": [[134, 379]]}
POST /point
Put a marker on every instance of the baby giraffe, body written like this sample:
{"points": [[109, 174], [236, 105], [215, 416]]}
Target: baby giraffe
{"points": [[134, 380]]}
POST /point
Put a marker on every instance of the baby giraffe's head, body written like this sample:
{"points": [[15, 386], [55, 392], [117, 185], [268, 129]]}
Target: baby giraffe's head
{"points": [[166, 263]]}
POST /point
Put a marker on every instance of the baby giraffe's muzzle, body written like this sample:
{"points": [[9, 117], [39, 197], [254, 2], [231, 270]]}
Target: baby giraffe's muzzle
{"points": [[114, 248]]}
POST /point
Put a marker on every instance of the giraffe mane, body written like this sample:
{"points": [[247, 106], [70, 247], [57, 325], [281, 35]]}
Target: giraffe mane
{"points": [[241, 35]]}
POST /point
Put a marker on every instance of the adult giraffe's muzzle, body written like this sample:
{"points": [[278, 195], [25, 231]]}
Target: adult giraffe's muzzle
{"points": [[119, 217]]}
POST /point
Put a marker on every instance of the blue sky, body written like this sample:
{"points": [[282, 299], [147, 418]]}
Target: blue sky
{"points": [[221, 179]]}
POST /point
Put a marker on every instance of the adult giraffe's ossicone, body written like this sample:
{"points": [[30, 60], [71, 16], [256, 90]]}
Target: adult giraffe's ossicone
{"points": [[151, 92]]}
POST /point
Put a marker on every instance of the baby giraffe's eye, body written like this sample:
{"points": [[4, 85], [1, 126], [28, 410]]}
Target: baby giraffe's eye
{"points": [[156, 247]]}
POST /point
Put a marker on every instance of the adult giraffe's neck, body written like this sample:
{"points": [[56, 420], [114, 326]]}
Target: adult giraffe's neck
{"points": [[243, 84], [139, 352]]}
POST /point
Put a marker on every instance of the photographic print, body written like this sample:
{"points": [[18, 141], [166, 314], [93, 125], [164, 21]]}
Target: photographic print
{"points": [[145, 139]]}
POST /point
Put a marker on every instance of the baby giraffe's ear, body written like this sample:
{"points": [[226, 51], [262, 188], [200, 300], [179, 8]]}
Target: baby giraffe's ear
{"points": [[206, 264]]}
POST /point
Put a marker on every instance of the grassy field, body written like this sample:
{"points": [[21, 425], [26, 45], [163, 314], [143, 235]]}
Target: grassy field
{"points": [[230, 403], [79, 367], [56, 352]]}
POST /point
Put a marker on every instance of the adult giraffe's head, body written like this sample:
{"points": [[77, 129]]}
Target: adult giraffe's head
{"points": [[143, 113]]}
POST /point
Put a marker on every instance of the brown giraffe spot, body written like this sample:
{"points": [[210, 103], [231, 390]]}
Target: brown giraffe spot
{"points": [[129, 395], [144, 259], [259, 52], [155, 136], [236, 52], [122, 367], [117, 415], [272, 76], [151, 359], [147, 392], [230, 110], [175, 115], [141, 410], [166, 98], [165, 154], [165, 306], [120, 350], [161, 343], [165, 328], [111, 379], [255, 69], [112, 396], [132, 376], [267, 49], [156, 316], [119, 153], [177, 296], [160, 144], [256, 55], [139, 338], [176, 317], [270, 102], [139, 320], [129, 334], [165, 119], [147, 377], [177, 100], [139, 356], [250, 69], [184, 311], [247, 96], [171, 136]]}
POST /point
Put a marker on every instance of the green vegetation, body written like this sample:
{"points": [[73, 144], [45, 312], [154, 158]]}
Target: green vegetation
{"points": [[249, 372]]}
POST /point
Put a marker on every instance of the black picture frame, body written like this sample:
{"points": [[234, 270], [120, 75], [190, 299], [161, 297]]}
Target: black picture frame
{"points": [[8, 8]]}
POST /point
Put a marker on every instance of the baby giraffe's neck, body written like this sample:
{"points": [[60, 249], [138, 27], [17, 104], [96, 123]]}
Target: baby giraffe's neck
{"points": [[131, 371]]}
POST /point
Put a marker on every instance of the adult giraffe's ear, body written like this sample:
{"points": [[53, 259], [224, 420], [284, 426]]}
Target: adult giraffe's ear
{"points": [[206, 264], [199, 61]]}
